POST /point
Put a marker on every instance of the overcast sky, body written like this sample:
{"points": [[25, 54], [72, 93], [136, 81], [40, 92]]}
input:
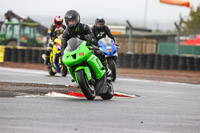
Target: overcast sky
{"points": [[114, 11]]}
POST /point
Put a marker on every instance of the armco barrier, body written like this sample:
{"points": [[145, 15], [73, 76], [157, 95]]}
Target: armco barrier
{"points": [[146, 61]]}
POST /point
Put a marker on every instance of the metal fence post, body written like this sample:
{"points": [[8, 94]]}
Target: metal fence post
{"points": [[177, 38], [130, 42]]}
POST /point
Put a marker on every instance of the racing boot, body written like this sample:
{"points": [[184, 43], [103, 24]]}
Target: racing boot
{"points": [[46, 61]]}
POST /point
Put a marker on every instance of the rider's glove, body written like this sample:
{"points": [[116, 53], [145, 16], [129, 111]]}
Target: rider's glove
{"points": [[117, 45], [51, 42], [60, 54], [88, 37]]}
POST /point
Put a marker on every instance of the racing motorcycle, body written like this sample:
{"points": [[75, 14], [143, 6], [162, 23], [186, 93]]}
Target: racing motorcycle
{"points": [[55, 59], [87, 70], [110, 49]]}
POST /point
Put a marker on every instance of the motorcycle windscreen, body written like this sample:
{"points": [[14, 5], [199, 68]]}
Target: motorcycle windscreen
{"points": [[106, 41], [73, 44]]}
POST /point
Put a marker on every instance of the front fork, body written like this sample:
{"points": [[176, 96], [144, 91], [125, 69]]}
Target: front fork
{"points": [[86, 71]]}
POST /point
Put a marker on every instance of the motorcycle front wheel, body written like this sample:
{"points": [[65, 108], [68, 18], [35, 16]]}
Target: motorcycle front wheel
{"points": [[87, 89], [112, 67], [51, 72], [64, 70]]}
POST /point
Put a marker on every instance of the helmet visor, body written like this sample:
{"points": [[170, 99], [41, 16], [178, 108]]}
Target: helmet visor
{"points": [[58, 22], [73, 22], [99, 25]]}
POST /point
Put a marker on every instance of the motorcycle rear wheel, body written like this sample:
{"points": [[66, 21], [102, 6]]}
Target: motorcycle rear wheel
{"points": [[86, 88], [109, 94]]}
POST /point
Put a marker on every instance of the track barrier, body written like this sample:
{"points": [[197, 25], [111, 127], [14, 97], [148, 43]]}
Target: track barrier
{"points": [[145, 61], [2, 51], [14, 54], [158, 61], [28, 55]]}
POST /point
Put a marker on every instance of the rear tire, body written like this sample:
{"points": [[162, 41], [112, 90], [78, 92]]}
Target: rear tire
{"points": [[86, 88], [112, 67], [110, 92]]}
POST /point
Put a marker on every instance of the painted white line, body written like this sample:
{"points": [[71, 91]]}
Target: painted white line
{"points": [[27, 71], [125, 95], [154, 81], [56, 94]]}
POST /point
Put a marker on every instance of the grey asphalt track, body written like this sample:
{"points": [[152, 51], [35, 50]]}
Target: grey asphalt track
{"points": [[163, 107]]}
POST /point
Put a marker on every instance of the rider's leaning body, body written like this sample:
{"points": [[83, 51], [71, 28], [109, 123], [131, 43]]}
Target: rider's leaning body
{"points": [[54, 31], [82, 31]]}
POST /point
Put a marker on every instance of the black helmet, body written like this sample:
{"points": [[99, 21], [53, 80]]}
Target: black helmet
{"points": [[72, 15], [99, 22]]}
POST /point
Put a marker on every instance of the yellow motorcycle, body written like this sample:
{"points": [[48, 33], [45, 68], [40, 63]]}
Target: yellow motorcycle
{"points": [[55, 64]]}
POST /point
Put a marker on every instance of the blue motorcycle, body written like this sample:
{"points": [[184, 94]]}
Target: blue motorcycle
{"points": [[110, 49]]}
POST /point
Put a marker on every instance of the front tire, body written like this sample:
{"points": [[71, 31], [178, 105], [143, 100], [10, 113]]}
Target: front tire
{"points": [[51, 72], [87, 89], [64, 70], [112, 67]]}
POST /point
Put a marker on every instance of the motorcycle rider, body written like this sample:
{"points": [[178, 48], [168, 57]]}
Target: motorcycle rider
{"points": [[100, 30], [54, 31], [83, 32]]}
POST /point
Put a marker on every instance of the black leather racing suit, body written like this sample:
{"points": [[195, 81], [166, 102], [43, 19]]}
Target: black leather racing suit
{"points": [[52, 29], [81, 31], [102, 32]]}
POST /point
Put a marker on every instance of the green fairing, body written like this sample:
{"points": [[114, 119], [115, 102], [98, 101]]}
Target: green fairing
{"points": [[96, 65], [78, 56], [86, 70], [68, 56]]}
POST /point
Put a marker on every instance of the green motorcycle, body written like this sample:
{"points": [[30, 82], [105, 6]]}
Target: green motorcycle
{"points": [[87, 70]]}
